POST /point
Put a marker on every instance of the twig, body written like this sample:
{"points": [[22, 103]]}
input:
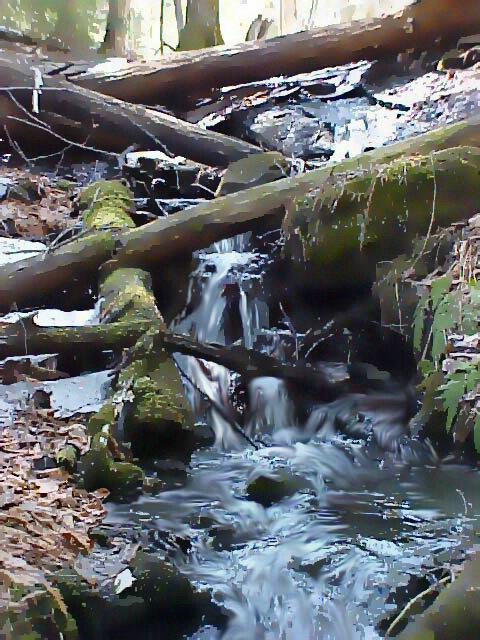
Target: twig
{"points": [[79, 145], [432, 217], [289, 324], [419, 596], [14, 144], [218, 407]]}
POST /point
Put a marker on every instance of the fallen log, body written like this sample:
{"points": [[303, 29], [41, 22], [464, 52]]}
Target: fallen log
{"points": [[420, 26], [70, 113], [343, 233], [16, 338], [158, 242], [148, 399], [454, 614], [19, 37]]}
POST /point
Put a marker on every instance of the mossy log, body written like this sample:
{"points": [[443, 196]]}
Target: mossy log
{"points": [[343, 231], [148, 398], [456, 611], [420, 26], [326, 383], [32, 280], [110, 125]]}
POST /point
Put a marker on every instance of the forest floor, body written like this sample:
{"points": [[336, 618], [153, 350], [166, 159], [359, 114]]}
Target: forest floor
{"points": [[46, 521]]}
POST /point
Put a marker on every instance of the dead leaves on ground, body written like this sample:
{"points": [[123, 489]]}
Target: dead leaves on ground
{"points": [[44, 519], [44, 210]]}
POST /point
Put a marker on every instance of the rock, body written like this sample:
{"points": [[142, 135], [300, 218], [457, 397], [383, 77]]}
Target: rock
{"points": [[267, 490], [457, 59], [157, 603], [292, 132], [253, 171], [99, 470], [26, 191]]}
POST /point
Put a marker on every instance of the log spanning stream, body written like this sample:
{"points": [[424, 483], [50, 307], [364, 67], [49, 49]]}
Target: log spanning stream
{"points": [[335, 547], [308, 521]]}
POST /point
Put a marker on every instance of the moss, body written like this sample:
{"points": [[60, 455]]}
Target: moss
{"points": [[128, 296], [159, 413], [105, 416], [98, 470], [67, 457], [106, 204], [346, 230]]}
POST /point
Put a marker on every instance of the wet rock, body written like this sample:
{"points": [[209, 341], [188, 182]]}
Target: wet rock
{"points": [[293, 132], [253, 171], [156, 602], [267, 490]]}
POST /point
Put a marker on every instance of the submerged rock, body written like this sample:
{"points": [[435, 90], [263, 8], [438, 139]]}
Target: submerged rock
{"points": [[267, 490]]}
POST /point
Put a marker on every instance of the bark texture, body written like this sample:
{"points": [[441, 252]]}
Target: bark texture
{"points": [[115, 41], [108, 124], [202, 28], [420, 26], [180, 234]]}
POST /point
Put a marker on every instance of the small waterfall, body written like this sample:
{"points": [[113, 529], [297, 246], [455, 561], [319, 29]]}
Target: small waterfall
{"points": [[220, 273]]}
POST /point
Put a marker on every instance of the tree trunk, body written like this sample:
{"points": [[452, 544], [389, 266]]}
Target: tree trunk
{"points": [[71, 27], [179, 15], [106, 123], [115, 41], [187, 231], [156, 404], [288, 16], [202, 28], [421, 26]]}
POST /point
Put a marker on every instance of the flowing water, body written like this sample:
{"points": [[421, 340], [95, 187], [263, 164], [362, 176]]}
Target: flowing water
{"points": [[358, 520]]}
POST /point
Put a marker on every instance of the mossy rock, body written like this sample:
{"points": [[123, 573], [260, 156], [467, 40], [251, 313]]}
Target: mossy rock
{"points": [[160, 603], [267, 490], [99, 470], [67, 457]]}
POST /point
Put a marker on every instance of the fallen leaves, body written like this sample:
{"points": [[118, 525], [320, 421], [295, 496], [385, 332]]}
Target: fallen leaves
{"points": [[44, 519], [44, 209]]}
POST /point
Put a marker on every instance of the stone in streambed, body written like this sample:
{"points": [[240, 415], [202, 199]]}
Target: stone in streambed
{"points": [[158, 603], [267, 490]]}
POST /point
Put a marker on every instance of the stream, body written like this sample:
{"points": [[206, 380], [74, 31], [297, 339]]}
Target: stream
{"points": [[337, 517], [345, 529]]}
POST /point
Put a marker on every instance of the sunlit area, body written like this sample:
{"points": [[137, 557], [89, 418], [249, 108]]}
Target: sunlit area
{"points": [[239, 319]]}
